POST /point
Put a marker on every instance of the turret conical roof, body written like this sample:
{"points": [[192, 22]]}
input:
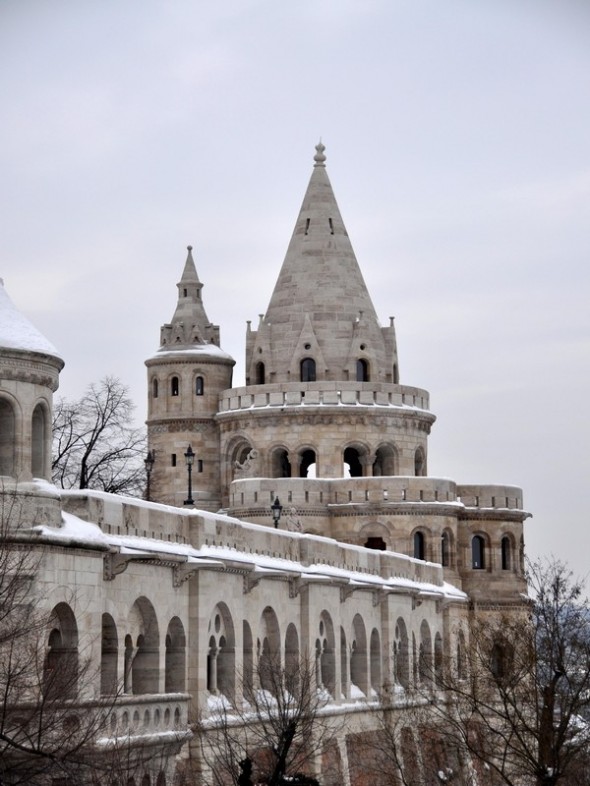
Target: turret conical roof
{"points": [[320, 303]]}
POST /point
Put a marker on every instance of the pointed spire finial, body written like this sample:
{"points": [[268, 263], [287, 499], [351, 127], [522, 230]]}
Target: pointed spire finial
{"points": [[189, 248], [320, 158]]}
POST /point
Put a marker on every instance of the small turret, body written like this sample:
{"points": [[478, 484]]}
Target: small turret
{"points": [[185, 378]]}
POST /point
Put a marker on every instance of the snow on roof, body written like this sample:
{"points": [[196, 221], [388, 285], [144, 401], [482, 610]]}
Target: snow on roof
{"points": [[199, 350], [17, 332], [75, 531]]}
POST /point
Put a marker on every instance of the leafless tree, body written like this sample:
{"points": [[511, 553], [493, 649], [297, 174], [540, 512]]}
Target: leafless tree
{"points": [[95, 444], [516, 710], [275, 735]]}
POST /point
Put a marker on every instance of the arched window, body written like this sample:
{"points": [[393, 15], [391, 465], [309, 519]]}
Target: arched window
{"points": [[395, 374], [385, 461], [445, 550], [247, 660], [199, 386], [260, 373], [343, 664], [419, 463], [174, 386], [145, 656], [281, 466], [38, 427], [155, 387], [325, 649], [401, 662], [7, 432], [292, 671], [175, 666], [358, 657], [362, 370], [375, 661], [506, 553], [419, 550], [478, 552], [108, 656], [308, 370]]}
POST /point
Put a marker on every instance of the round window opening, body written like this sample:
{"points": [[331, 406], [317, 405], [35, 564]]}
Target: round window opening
{"points": [[363, 346], [308, 346]]}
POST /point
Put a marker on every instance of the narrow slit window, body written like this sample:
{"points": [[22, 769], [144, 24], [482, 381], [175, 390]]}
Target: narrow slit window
{"points": [[173, 459], [174, 386], [331, 226], [307, 225], [199, 386]]}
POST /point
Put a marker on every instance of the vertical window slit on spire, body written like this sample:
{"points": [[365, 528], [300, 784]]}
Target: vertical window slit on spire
{"points": [[331, 226], [307, 223]]}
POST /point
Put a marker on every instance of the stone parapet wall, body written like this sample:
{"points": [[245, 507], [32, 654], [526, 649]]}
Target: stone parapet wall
{"points": [[323, 394], [491, 496], [319, 492]]}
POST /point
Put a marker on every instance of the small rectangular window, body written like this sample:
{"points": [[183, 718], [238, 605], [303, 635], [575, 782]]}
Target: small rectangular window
{"points": [[199, 465], [173, 459]]}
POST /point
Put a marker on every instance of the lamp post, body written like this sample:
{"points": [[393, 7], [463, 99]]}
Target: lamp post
{"points": [[149, 465], [189, 457], [276, 508]]}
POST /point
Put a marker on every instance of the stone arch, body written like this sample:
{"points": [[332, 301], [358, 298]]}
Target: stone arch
{"points": [[358, 655], [307, 370], [175, 662], [425, 653], [438, 659], [237, 455], [40, 440], [280, 466], [375, 662], [60, 677], [401, 660], [221, 653], [109, 656], [269, 650], [374, 535], [363, 370], [7, 437], [507, 552], [307, 459], [144, 638], [247, 659], [479, 552], [386, 460], [354, 459], [419, 544], [326, 654], [292, 665], [259, 373], [343, 663], [461, 656], [419, 462]]}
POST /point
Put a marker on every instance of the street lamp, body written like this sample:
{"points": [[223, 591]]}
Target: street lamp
{"points": [[149, 465], [189, 457], [276, 508]]}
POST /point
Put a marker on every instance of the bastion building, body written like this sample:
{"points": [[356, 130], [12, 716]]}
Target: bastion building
{"points": [[373, 568]]}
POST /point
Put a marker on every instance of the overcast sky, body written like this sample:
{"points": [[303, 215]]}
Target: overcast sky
{"points": [[457, 138]]}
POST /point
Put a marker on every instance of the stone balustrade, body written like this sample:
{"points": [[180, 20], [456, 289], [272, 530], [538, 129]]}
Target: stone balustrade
{"points": [[148, 715]]}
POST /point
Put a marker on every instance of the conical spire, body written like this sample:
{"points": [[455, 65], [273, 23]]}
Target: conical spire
{"points": [[190, 324], [321, 278]]}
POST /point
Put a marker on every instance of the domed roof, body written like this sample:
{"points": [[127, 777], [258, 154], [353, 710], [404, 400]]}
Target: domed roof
{"points": [[17, 332]]}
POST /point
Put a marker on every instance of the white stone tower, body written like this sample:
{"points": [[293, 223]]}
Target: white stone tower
{"points": [[185, 379], [29, 376]]}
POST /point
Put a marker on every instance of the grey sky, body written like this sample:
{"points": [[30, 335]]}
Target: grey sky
{"points": [[458, 145]]}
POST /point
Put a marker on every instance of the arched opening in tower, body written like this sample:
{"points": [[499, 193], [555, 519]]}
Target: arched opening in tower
{"points": [[305, 467], [352, 463], [281, 466]]}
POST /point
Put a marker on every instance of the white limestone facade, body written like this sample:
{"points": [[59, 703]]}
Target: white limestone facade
{"points": [[373, 570]]}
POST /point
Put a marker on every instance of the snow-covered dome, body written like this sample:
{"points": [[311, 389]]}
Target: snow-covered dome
{"points": [[17, 332]]}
